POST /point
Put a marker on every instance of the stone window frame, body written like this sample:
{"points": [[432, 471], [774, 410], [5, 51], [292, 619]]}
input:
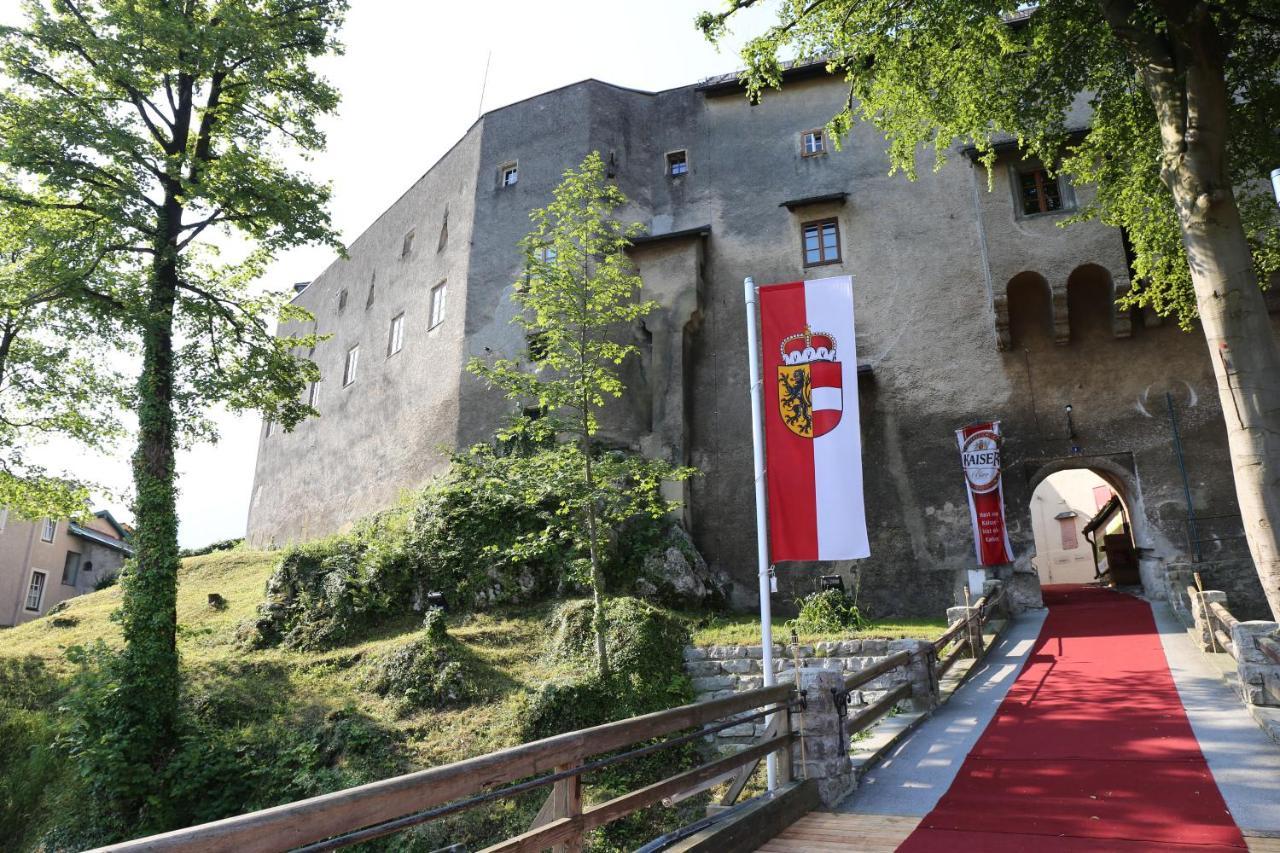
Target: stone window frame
{"points": [[436, 304], [820, 133], [823, 259], [313, 394], [395, 335], [35, 589], [351, 366], [670, 163], [510, 169], [1066, 194]]}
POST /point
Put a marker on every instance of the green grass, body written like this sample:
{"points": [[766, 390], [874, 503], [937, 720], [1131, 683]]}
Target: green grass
{"points": [[258, 694], [744, 629], [297, 689]]}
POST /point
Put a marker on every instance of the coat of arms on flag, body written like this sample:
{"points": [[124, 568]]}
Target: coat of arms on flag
{"points": [[810, 384]]}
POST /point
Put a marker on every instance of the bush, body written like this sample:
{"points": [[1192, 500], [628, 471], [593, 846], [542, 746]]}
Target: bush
{"points": [[433, 671], [224, 545], [828, 611]]}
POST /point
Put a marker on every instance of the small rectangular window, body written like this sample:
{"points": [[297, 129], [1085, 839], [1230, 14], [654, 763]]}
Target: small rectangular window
{"points": [[35, 592], [349, 369], [813, 142], [1067, 528], [4, 518], [71, 569], [437, 305], [508, 174], [407, 247], [50, 529], [547, 255], [1039, 192], [271, 427], [342, 300], [313, 394], [821, 242], [677, 163], [395, 338]]}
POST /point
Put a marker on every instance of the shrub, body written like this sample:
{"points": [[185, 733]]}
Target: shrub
{"points": [[828, 611], [433, 671], [223, 545]]}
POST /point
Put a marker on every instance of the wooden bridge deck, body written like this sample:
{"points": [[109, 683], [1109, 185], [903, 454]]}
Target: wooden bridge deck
{"points": [[828, 832]]}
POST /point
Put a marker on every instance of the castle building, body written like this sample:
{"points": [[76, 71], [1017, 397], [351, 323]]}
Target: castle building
{"points": [[972, 303]]}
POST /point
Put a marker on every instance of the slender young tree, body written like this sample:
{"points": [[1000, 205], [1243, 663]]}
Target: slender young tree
{"points": [[577, 297], [1185, 99], [166, 122]]}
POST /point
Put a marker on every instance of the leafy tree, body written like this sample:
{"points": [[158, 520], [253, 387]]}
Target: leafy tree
{"points": [[56, 375], [1185, 97], [577, 293], [164, 123]]}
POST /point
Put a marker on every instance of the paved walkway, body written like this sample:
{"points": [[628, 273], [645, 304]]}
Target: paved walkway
{"points": [[911, 780]]}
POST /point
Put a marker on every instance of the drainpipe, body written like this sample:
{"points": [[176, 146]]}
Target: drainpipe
{"points": [[1193, 534]]}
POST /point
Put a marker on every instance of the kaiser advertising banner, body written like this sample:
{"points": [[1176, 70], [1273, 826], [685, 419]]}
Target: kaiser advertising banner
{"points": [[813, 444], [980, 458]]}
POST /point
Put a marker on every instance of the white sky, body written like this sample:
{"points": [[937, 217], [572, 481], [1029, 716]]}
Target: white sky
{"points": [[411, 84]]}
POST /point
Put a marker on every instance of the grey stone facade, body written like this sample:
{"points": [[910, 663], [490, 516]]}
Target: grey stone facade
{"points": [[966, 310]]}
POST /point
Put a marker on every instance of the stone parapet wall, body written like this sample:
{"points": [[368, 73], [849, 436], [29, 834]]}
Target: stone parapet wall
{"points": [[718, 671]]}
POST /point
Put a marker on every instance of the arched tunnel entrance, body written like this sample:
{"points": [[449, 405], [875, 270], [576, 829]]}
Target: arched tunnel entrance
{"points": [[1089, 524]]}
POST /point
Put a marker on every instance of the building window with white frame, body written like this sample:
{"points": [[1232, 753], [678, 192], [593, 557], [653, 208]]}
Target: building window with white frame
{"points": [[395, 338], [437, 304], [35, 591], [349, 369], [813, 142], [50, 530], [508, 174]]}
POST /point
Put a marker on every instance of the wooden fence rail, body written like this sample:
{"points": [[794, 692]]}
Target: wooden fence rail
{"points": [[379, 808], [1219, 621]]}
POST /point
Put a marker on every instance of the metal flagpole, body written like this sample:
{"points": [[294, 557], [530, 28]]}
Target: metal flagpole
{"points": [[762, 521]]}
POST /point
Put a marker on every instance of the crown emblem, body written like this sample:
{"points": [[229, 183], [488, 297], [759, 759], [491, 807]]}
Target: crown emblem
{"points": [[808, 346]]}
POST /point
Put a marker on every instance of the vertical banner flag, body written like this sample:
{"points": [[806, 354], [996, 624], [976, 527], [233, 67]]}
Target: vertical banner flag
{"points": [[980, 458], [813, 443]]}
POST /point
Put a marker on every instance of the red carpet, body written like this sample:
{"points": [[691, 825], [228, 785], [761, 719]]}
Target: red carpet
{"points": [[1091, 749]]}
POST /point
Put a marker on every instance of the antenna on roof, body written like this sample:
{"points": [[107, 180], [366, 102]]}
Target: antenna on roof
{"points": [[484, 84]]}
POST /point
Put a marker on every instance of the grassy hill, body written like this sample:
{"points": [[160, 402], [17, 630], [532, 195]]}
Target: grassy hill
{"points": [[280, 724]]}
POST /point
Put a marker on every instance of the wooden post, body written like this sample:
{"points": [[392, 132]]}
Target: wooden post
{"points": [[784, 755], [568, 803]]}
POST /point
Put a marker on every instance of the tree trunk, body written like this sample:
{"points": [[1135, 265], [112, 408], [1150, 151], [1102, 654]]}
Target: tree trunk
{"points": [[148, 612], [598, 622], [1246, 363]]}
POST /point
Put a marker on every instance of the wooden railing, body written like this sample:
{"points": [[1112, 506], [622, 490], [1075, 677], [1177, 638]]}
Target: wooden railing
{"points": [[381, 808], [1219, 621], [966, 635]]}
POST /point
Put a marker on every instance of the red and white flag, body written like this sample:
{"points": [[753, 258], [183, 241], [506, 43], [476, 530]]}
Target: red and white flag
{"points": [[980, 458], [813, 441]]}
